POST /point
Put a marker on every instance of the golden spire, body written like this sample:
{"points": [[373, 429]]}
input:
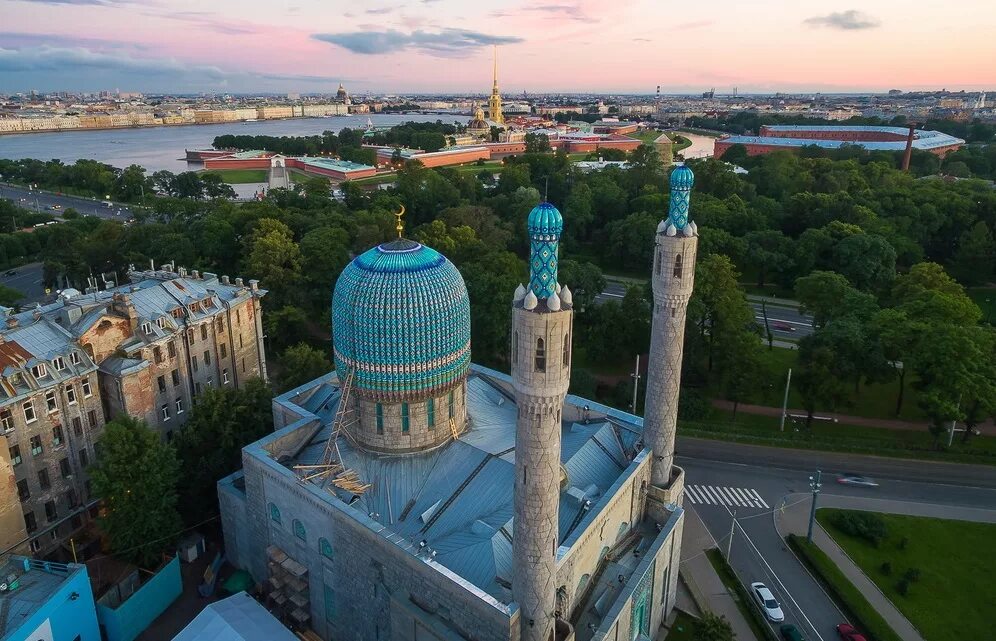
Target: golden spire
{"points": [[494, 88], [400, 226]]}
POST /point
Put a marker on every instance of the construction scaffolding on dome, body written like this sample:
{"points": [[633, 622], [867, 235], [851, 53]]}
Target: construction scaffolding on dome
{"points": [[331, 467]]}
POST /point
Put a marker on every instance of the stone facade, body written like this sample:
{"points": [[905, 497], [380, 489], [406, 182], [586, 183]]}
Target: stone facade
{"points": [[541, 375], [673, 280], [406, 427]]}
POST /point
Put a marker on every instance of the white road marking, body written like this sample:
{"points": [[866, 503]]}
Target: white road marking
{"points": [[729, 496]]}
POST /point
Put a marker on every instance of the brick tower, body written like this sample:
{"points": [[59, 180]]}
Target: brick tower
{"points": [[673, 281], [542, 319]]}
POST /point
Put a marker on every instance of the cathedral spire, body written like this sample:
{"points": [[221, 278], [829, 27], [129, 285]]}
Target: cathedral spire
{"points": [[494, 103]]}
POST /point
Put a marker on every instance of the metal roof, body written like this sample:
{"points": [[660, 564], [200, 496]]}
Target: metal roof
{"points": [[458, 497]]}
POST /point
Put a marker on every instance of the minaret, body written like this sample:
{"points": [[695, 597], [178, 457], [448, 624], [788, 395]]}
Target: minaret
{"points": [[494, 103], [542, 317], [673, 279]]}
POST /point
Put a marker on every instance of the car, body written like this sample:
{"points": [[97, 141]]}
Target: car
{"points": [[848, 478], [783, 327], [848, 632], [790, 633], [10, 272], [766, 601], [55, 207]]}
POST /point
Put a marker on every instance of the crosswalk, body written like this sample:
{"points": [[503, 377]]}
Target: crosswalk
{"points": [[730, 496]]}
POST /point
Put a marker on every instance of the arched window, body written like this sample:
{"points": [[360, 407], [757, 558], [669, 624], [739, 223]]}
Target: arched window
{"points": [[677, 266], [404, 418], [430, 410], [582, 584], [299, 530], [452, 410], [325, 548], [566, 360], [380, 418], [540, 355], [274, 513]]}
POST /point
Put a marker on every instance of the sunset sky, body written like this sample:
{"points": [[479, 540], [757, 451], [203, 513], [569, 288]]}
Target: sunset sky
{"points": [[381, 46]]}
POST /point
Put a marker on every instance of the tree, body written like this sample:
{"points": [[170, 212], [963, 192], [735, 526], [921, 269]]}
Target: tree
{"points": [[274, 258], [537, 143], [710, 627], [324, 254], [828, 295], [300, 364], [224, 420], [897, 335], [768, 251], [9, 296], [928, 293], [974, 260], [136, 476], [585, 281], [818, 384]]}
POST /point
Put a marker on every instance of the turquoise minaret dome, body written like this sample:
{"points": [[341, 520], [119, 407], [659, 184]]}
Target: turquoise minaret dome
{"points": [[681, 181], [545, 224], [401, 322]]}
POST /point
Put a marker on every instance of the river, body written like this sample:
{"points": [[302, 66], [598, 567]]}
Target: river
{"points": [[702, 146], [158, 148]]}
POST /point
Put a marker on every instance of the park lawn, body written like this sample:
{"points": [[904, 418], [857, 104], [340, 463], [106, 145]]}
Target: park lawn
{"points": [[872, 400], [682, 628], [948, 602], [647, 135], [680, 142], [239, 176]]}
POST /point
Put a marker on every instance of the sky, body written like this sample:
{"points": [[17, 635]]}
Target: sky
{"points": [[444, 46]]}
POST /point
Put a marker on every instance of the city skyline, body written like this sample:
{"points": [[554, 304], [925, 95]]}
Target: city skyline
{"points": [[576, 46]]}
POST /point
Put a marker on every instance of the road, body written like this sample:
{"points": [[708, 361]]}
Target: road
{"points": [[718, 481], [42, 201], [786, 323], [26, 279]]}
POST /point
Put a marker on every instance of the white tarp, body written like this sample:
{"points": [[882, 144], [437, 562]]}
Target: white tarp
{"points": [[237, 618]]}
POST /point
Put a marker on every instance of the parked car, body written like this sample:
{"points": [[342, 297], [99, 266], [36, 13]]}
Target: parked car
{"points": [[766, 601], [848, 632], [790, 633], [856, 479]]}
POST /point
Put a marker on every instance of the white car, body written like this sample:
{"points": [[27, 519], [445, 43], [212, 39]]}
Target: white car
{"points": [[766, 601]]}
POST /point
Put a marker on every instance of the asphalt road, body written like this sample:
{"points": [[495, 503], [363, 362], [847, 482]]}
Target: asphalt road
{"points": [[42, 201], [722, 477], [26, 279], [786, 323]]}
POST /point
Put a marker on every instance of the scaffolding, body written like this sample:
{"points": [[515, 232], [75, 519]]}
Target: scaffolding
{"points": [[331, 467]]}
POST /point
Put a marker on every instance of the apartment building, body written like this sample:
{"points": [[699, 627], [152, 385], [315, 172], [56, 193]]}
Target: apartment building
{"points": [[145, 349]]}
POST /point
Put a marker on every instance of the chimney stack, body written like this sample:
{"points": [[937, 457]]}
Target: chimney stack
{"points": [[909, 148]]}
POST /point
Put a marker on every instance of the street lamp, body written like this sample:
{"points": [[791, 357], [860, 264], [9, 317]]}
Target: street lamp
{"points": [[814, 485]]}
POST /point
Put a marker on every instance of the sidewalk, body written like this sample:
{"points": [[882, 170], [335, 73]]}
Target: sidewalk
{"points": [[795, 519], [702, 580], [987, 428]]}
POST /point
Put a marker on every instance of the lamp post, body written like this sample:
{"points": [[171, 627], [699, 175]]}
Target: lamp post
{"points": [[814, 485], [636, 382]]}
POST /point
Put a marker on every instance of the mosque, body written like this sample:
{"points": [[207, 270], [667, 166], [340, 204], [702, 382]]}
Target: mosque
{"points": [[411, 495]]}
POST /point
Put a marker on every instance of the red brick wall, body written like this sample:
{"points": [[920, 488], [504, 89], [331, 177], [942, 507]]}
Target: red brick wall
{"points": [[850, 136]]}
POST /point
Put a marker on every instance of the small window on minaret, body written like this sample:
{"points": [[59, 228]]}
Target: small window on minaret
{"points": [[515, 346], [540, 356], [567, 349], [677, 266]]}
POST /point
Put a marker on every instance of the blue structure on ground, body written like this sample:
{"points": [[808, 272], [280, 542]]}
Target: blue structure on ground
{"points": [[413, 294], [545, 224], [49, 601]]}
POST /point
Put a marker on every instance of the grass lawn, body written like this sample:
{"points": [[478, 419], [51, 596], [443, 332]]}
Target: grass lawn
{"points": [[386, 177], [680, 142], [948, 602], [647, 135], [240, 176], [985, 298], [681, 629]]}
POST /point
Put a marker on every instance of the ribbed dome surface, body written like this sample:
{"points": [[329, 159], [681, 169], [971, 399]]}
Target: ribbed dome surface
{"points": [[682, 177], [545, 220], [401, 319]]}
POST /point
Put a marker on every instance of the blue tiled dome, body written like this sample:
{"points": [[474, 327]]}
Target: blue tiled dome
{"points": [[401, 319], [682, 177], [545, 220]]}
